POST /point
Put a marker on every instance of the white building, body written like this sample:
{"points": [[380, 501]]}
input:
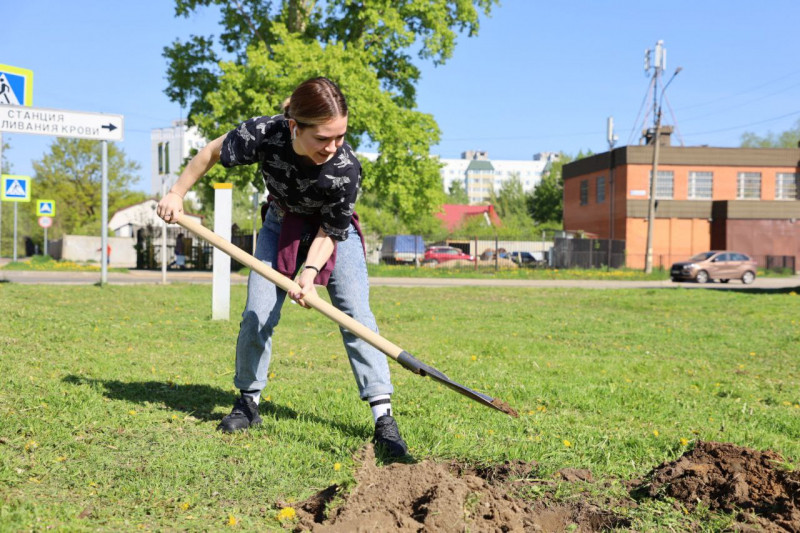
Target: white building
{"points": [[480, 175], [169, 147]]}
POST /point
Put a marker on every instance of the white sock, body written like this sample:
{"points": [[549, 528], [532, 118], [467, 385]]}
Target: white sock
{"points": [[254, 395], [380, 405]]}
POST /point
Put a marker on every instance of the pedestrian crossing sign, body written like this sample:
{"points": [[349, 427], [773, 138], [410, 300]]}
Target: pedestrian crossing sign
{"points": [[16, 86], [45, 208], [15, 188]]}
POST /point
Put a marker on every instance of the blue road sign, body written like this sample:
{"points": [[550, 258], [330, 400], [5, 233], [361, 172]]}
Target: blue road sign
{"points": [[45, 208], [16, 86], [15, 188]]}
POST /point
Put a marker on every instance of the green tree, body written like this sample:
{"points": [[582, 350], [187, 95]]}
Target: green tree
{"points": [[546, 203], [456, 194], [6, 209], [788, 139], [510, 202], [5, 166], [364, 46], [71, 173]]}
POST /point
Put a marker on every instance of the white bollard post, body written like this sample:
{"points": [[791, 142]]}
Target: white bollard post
{"points": [[221, 278]]}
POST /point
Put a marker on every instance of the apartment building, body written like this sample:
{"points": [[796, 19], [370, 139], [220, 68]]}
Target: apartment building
{"points": [[481, 175]]}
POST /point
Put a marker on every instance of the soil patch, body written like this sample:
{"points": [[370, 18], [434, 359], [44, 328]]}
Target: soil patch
{"points": [[429, 496], [732, 479], [432, 497]]}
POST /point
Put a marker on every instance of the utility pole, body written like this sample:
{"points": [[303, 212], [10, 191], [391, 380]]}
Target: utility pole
{"points": [[659, 63], [612, 140]]}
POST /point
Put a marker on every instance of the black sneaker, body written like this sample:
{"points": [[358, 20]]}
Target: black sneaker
{"points": [[243, 415], [387, 436]]}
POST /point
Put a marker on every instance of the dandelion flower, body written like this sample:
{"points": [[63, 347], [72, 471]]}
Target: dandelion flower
{"points": [[474, 357], [337, 466], [232, 520], [567, 443], [185, 506], [31, 445], [655, 432], [287, 513], [271, 375], [684, 441], [132, 412]]}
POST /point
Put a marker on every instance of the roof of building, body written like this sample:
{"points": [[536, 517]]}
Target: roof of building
{"points": [[454, 215], [479, 166], [684, 155]]}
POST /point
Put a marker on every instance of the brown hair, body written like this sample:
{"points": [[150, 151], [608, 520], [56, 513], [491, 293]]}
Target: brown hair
{"points": [[315, 101]]}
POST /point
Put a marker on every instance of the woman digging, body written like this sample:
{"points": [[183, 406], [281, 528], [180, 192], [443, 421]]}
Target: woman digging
{"points": [[310, 232]]}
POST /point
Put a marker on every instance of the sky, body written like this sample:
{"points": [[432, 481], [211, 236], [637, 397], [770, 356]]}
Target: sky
{"points": [[539, 76]]}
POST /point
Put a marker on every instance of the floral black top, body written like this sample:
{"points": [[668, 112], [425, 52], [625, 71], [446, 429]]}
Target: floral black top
{"points": [[328, 190]]}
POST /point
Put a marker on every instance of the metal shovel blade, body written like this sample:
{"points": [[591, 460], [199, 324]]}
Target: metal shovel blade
{"points": [[413, 364]]}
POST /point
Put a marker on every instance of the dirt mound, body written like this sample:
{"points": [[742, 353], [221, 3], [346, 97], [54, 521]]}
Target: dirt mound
{"points": [[730, 478], [429, 496]]}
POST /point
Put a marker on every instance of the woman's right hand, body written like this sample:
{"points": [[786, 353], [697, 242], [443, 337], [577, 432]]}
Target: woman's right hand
{"points": [[170, 208]]}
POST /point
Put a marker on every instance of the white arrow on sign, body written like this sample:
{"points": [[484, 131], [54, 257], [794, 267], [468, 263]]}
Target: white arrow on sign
{"points": [[77, 124]]}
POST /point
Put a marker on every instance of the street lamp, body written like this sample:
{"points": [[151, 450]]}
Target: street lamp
{"points": [[651, 207]]}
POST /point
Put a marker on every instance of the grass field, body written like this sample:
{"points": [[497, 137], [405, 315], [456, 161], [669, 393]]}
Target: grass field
{"points": [[110, 396]]}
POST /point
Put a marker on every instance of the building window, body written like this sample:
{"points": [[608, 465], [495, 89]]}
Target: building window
{"points": [[160, 158], [786, 185], [664, 184], [166, 157], [584, 192], [601, 189], [700, 185], [748, 186]]}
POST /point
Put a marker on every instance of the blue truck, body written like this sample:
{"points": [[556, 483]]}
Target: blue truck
{"points": [[402, 249]]}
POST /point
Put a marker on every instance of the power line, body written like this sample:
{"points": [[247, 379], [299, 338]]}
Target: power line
{"points": [[747, 125], [739, 93], [724, 110]]}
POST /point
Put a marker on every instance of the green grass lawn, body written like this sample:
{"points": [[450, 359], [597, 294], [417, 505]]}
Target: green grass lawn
{"points": [[109, 396]]}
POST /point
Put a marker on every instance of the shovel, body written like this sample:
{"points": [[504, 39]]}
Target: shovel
{"points": [[405, 359]]}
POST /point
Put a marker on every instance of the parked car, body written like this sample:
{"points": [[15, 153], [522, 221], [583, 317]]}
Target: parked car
{"points": [[440, 254], [402, 249], [721, 265], [527, 258]]}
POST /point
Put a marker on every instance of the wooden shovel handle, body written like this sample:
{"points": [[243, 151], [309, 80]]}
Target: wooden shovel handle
{"points": [[312, 300]]}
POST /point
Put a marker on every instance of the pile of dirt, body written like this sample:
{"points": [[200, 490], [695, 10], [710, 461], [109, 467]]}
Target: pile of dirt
{"points": [[429, 496], [732, 479]]}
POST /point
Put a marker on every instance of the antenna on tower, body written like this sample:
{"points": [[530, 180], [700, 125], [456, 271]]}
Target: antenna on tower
{"points": [[610, 136], [655, 60]]}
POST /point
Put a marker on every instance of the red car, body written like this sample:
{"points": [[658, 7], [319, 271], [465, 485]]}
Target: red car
{"points": [[440, 254]]}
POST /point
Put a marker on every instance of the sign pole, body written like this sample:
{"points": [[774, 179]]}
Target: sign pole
{"points": [[15, 232], [163, 236], [45, 242], [104, 217], [1, 203]]}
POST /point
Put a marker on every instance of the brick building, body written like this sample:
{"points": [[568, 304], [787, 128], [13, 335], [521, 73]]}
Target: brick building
{"points": [[743, 199]]}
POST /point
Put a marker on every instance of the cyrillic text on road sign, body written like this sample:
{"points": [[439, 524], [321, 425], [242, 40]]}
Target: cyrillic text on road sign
{"points": [[76, 124]]}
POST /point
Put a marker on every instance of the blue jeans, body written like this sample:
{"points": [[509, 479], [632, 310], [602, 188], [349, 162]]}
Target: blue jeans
{"points": [[349, 291]]}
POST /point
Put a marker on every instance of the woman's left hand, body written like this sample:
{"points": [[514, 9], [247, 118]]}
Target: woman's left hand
{"points": [[306, 282]]}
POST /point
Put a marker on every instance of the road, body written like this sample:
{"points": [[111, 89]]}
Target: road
{"points": [[154, 277]]}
